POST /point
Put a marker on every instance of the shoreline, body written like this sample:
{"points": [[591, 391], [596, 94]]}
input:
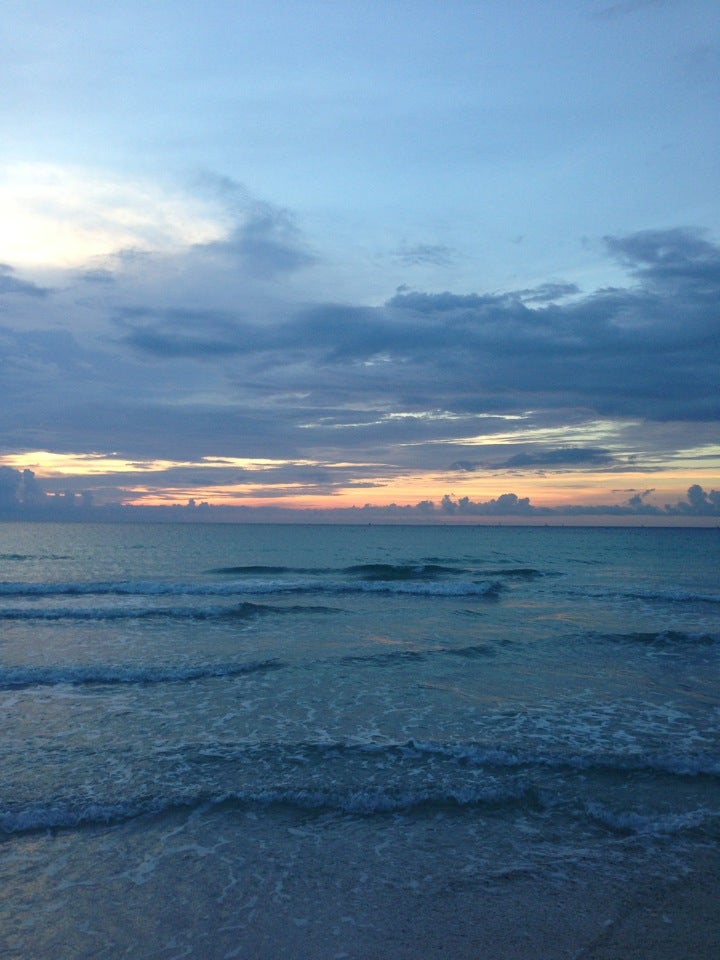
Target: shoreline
{"points": [[520, 918], [181, 889]]}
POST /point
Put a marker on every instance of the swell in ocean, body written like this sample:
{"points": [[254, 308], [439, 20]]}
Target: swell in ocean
{"points": [[489, 700], [21, 677], [448, 778]]}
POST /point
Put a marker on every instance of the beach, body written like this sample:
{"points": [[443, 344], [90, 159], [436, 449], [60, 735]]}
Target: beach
{"points": [[302, 903], [336, 743]]}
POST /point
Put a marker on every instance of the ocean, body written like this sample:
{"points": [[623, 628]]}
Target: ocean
{"points": [[264, 741]]}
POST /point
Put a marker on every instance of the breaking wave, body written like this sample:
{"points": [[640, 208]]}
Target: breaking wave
{"points": [[153, 588], [662, 638], [364, 803], [242, 611], [17, 678], [409, 781]]}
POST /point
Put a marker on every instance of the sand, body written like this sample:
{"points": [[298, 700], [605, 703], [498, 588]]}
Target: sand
{"points": [[162, 891], [521, 918]]}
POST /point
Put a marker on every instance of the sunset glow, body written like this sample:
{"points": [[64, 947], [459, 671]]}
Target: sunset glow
{"points": [[128, 481], [53, 216], [343, 280]]}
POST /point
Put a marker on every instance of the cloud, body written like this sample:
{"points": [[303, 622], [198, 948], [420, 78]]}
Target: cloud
{"points": [[19, 489], [22, 498], [623, 8], [698, 503], [650, 350], [548, 292], [11, 284], [194, 354], [98, 275], [268, 243], [177, 332], [568, 457], [63, 215], [506, 505], [678, 260], [9, 485], [419, 254]]}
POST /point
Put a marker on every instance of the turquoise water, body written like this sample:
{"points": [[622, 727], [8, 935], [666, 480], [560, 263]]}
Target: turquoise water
{"points": [[257, 707]]}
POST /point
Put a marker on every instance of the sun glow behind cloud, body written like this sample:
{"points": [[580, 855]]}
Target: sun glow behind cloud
{"points": [[50, 465], [47, 464], [597, 431], [54, 216], [194, 306], [257, 482]]}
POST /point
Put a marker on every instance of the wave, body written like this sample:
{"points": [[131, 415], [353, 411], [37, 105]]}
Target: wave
{"points": [[482, 756], [446, 788], [436, 571], [242, 611], [22, 557], [392, 657], [490, 590], [19, 678], [523, 799], [389, 572], [387, 659], [673, 596], [364, 571], [472, 652], [463, 588], [427, 756], [663, 638], [123, 588], [363, 802], [263, 569], [654, 596], [657, 824], [516, 573]]}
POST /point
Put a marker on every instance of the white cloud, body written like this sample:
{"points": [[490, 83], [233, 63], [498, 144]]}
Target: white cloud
{"points": [[55, 216]]}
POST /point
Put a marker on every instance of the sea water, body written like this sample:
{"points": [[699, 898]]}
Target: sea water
{"points": [[210, 730]]}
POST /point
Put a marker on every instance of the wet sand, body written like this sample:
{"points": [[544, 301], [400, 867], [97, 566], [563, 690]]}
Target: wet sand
{"points": [[175, 889], [678, 920], [519, 919]]}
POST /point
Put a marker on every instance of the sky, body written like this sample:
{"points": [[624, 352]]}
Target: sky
{"points": [[416, 259]]}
